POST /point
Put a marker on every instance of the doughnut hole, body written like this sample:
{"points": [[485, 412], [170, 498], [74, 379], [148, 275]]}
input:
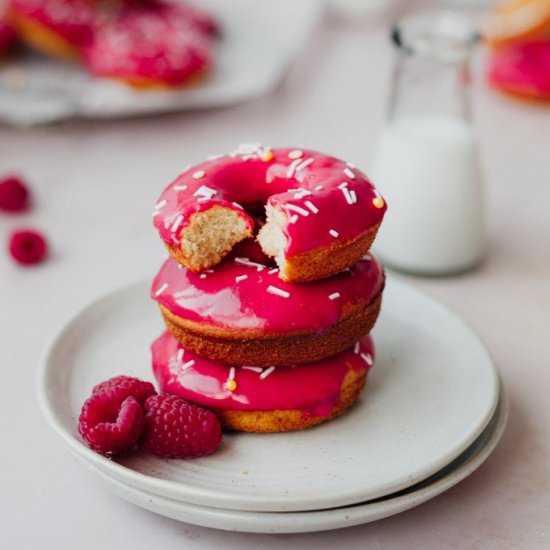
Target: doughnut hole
{"points": [[210, 237]]}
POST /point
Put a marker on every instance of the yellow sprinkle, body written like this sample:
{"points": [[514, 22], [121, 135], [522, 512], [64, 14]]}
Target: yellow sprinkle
{"points": [[231, 385], [267, 156], [199, 174], [295, 154], [378, 202]]}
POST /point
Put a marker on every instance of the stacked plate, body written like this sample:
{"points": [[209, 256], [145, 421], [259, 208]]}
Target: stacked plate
{"points": [[432, 412]]}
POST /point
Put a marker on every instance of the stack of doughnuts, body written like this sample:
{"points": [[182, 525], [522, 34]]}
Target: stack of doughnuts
{"points": [[269, 292], [143, 43], [519, 38]]}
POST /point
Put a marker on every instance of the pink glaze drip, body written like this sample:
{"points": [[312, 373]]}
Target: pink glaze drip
{"points": [[158, 42], [238, 295], [313, 387], [522, 68], [73, 20], [323, 197]]}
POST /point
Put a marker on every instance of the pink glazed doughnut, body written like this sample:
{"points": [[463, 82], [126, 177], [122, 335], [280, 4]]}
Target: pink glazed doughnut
{"points": [[256, 399], [322, 213], [153, 44], [57, 27], [522, 69], [241, 313]]}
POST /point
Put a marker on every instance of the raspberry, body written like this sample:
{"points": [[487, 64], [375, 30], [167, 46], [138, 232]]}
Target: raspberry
{"points": [[27, 247], [108, 426], [125, 386], [173, 428], [112, 418], [14, 195]]}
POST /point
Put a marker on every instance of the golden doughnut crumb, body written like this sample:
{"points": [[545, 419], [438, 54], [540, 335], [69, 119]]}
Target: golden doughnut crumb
{"points": [[378, 202], [267, 155], [231, 385]]}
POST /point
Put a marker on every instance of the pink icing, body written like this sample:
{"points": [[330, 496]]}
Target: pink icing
{"points": [[313, 387], [522, 68], [72, 20], [323, 197], [158, 42], [239, 294], [8, 37]]}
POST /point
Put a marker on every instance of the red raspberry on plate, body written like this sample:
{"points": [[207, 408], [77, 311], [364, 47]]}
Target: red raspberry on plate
{"points": [[112, 418], [27, 246], [14, 195], [174, 428], [108, 426], [125, 386]]}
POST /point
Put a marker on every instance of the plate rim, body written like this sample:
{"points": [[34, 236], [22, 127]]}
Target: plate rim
{"points": [[202, 495]]}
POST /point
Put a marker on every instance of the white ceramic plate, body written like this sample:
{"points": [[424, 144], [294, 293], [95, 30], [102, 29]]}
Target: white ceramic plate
{"points": [[431, 393], [321, 520], [259, 41]]}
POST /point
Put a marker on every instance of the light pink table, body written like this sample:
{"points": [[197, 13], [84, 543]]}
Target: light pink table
{"points": [[95, 184]]}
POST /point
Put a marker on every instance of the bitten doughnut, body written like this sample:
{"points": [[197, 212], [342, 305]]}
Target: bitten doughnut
{"points": [[522, 69], [57, 27], [322, 213], [152, 45], [256, 399], [241, 313]]}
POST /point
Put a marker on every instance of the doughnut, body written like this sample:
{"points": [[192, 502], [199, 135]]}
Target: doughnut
{"points": [[522, 69], [241, 313], [256, 399], [57, 27], [322, 213], [150, 45], [8, 36], [519, 21]]}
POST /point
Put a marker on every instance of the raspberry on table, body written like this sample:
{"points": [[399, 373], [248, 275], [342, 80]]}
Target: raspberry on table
{"points": [[109, 426], [174, 428], [14, 195], [27, 246]]}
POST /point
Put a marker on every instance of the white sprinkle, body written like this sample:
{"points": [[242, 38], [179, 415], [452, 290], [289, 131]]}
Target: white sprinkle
{"points": [[343, 184], [202, 276], [199, 174], [349, 173], [367, 257], [231, 374], [292, 168], [179, 355], [303, 164], [312, 207], [353, 196], [272, 271], [267, 372], [295, 154], [334, 295], [160, 204], [215, 157], [237, 205], [205, 191], [246, 261], [240, 278], [161, 289], [255, 369], [301, 193], [179, 187], [356, 348], [367, 357], [293, 218], [297, 209], [348, 195], [318, 188], [350, 164], [155, 214], [177, 223], [188, 364], [334, 233], [170, 219], [279, 292]]}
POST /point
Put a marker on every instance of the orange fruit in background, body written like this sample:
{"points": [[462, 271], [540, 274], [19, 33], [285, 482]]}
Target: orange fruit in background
{"points": [[519, 21]]}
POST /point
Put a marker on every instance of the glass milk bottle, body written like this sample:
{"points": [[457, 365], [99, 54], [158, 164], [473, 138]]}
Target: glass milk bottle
{"points": [[427, 165]]}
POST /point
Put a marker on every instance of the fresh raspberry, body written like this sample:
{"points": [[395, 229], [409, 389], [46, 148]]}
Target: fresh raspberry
{"points": [[27, 246], [125, 386], [14, 195], [173, 428], [108, 426]]}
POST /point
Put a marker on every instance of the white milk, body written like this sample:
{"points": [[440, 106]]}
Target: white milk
{"points": [[428, 171]]}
